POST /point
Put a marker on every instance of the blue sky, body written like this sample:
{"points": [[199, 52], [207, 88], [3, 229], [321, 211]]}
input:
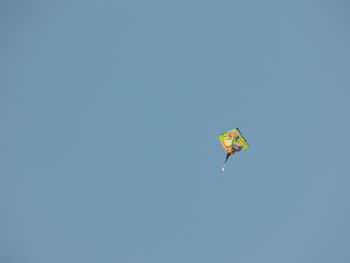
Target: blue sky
{"points": [[110, 114]]}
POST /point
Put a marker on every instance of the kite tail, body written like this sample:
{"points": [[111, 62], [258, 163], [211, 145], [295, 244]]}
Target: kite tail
{"points": [[227, 156]]}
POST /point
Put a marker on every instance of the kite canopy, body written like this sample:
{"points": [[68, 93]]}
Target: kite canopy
{"points": [[232, 141]]}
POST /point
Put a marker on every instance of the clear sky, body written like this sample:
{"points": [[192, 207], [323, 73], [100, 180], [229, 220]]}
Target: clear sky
{"points": [[110, 112]]}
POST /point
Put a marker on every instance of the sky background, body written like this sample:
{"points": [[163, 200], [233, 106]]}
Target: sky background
{"points": [[110, 112]]}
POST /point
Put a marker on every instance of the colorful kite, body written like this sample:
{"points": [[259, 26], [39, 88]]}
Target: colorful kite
{"points": [[232, 141]]}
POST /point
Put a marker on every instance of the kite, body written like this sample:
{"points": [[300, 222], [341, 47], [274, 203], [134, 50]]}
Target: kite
{"points": [[232, 141]]}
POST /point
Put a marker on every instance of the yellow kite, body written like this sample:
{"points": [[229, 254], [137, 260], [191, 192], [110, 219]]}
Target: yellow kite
{"points": [[232, 141]]}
